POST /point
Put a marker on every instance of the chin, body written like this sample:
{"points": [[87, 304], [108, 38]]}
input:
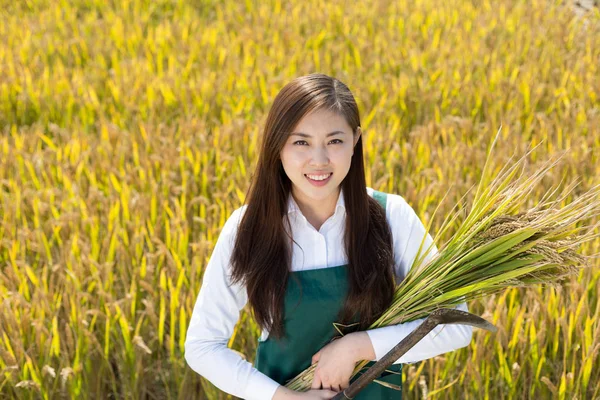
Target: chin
{"points": [[319, 192]]}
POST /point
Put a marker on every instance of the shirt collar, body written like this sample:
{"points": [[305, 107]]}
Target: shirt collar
{"points": [[293, 206]]}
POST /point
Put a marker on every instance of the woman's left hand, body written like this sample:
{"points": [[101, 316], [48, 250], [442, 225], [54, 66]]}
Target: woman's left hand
{"points": [[336, 362]]}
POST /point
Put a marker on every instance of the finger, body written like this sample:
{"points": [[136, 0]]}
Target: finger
{"points": [[345, 385], [316, 357], [316, 383]]}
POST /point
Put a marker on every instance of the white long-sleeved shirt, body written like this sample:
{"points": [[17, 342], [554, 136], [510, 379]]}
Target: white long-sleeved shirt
{"points": [[219, 302]]}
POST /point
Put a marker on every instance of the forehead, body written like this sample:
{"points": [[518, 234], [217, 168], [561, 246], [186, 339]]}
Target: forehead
{"points": [[321, 122]]}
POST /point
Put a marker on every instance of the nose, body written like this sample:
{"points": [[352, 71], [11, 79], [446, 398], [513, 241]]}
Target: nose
{"points": [[319, 156]]}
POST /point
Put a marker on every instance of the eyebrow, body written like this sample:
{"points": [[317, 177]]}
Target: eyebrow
{"points": [[305, 135]]}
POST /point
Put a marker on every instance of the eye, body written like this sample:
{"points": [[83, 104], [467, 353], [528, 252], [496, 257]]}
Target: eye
{"points": [[304, 141]]}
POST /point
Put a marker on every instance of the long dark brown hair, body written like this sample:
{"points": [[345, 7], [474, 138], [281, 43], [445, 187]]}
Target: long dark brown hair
{"points": [[261, 258]]}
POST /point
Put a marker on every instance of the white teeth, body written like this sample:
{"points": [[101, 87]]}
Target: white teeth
{"points": [[318, 177]]}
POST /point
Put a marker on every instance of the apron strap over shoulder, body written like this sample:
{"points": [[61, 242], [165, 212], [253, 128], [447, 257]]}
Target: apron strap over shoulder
{"points": [[381, 197]]}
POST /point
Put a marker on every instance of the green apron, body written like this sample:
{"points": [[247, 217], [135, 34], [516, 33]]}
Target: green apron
{"points": [[310, 310]]}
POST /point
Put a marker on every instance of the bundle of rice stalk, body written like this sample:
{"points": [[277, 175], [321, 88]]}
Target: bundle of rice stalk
{"points": [[494, 248]]}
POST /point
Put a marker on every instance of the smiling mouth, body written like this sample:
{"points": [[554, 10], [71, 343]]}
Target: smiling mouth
{"points": [[319, 180]]}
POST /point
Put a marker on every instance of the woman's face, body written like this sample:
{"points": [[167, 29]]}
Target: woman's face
{"points": [[321, 144]]}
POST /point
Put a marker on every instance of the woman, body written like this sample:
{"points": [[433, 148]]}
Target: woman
{"points": [[313, 246]]}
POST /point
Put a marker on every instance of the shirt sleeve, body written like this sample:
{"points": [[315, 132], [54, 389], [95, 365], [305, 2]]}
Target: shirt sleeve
{"points": [[214, 317], [408, 231]]}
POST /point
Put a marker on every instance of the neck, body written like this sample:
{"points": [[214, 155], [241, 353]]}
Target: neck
{"points": [[317, 212]]}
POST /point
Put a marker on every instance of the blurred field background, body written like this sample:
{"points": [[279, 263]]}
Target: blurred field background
{"points": [[129, 131]]}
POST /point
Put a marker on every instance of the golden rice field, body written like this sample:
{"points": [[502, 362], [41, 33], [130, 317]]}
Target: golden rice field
{"points": [[129, 131]]}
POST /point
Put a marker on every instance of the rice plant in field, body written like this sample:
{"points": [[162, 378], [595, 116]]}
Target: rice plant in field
{"points": [[129, 131]]}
